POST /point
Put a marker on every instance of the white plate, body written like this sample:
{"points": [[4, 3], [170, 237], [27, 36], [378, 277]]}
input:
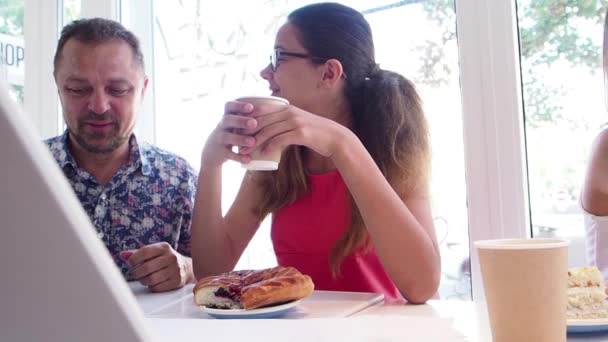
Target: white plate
{"points": [[267, 312], [587, 325]]}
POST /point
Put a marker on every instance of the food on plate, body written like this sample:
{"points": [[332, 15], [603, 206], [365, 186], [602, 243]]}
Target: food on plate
{"points": [[586, 293], [250, 289]]}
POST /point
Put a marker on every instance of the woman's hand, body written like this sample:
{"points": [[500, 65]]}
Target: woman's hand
{"points": [[219, 145], [295, 126]]}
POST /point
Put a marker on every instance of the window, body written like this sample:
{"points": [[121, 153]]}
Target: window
{"points": [[12, 51], [202, 59], [563, 91], [71, 10]]}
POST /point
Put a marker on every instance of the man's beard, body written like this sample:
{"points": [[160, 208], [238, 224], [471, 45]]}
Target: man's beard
{"points": [[98, 142]]}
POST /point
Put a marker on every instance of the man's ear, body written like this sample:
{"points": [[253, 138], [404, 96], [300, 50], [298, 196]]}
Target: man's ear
{"points": [[332, 73], [145, 87]]}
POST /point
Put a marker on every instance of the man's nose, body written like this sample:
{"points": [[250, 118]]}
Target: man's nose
{"points": [[99, 102]]}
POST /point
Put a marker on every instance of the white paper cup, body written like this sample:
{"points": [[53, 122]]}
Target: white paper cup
{"points": [[263, 105], [525, 284]]}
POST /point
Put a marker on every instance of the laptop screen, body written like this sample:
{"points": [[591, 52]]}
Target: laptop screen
{"points": [[59, 282]]}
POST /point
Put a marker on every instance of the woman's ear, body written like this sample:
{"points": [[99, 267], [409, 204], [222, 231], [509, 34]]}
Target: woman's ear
{"points": [[332, 73]]}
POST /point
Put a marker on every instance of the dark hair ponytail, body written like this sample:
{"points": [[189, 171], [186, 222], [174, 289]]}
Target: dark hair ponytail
{"points": [[386, 111], [389, 120]]}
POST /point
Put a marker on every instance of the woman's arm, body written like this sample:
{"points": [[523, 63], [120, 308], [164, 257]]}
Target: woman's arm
{"points": [[218, 241], [402, 231], [594, 194]]}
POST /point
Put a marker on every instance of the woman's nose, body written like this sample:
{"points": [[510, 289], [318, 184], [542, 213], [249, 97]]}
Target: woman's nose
{"points": [[267, 72]]}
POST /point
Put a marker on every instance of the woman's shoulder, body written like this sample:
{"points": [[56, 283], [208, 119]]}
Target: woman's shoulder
{"points": [[599, 147], [601, 140], [598, 158], [594, 192]]}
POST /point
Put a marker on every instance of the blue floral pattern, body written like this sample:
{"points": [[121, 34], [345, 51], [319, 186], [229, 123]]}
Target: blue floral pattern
{"points": [[149, 199]]}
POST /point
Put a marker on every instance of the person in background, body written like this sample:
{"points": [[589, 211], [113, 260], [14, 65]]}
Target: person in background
{"points": [[350, 200], [594, 194], [139, 197]]}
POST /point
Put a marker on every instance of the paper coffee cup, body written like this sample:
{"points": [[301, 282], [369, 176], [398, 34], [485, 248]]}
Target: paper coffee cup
{"points": [[263, 105], [525, 284]]}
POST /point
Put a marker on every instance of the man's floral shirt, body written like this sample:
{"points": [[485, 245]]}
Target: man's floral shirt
{"points": [[149, 199]]}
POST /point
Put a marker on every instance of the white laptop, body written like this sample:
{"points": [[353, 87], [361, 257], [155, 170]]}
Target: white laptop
{"points": [[58, 281]]}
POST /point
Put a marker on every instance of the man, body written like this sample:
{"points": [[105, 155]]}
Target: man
{"points": [[139, 197]]}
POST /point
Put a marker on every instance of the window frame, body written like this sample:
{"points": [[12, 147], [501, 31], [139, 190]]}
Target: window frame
{"points": [[494, 139], [138, 16], [41, 32]]}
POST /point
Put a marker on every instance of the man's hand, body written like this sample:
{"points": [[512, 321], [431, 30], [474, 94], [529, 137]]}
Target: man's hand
{"points": [[159, 267]]}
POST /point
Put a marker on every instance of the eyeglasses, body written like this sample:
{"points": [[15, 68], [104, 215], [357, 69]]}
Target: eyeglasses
{"points": [[276, 55]]}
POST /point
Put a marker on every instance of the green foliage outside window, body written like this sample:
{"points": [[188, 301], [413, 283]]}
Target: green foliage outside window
{"points": [[11, 17], [549, 31]]}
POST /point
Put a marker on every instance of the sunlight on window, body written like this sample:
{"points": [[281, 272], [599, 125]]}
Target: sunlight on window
{"points": [[203, 59], [564, 110]]}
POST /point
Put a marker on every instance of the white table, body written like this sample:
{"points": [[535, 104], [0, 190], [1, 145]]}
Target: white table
{"points": [[150, 302], [438, 320], [469, 317]]}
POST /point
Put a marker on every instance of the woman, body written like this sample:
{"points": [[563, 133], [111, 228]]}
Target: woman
{"points": [[594, 195], [350, 200]]}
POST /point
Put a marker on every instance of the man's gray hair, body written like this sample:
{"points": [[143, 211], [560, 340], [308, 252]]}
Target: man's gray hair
{"points": [[95, 31]]}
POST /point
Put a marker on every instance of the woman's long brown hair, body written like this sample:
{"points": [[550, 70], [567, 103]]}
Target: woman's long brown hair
{"points": [[386, 111]]}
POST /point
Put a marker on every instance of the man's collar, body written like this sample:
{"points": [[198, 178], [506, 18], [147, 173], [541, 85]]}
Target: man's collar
{"points": [[68, 159], [137, 154]]}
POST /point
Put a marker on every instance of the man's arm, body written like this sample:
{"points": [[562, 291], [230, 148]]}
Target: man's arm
{"points": [[160, 267]]}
